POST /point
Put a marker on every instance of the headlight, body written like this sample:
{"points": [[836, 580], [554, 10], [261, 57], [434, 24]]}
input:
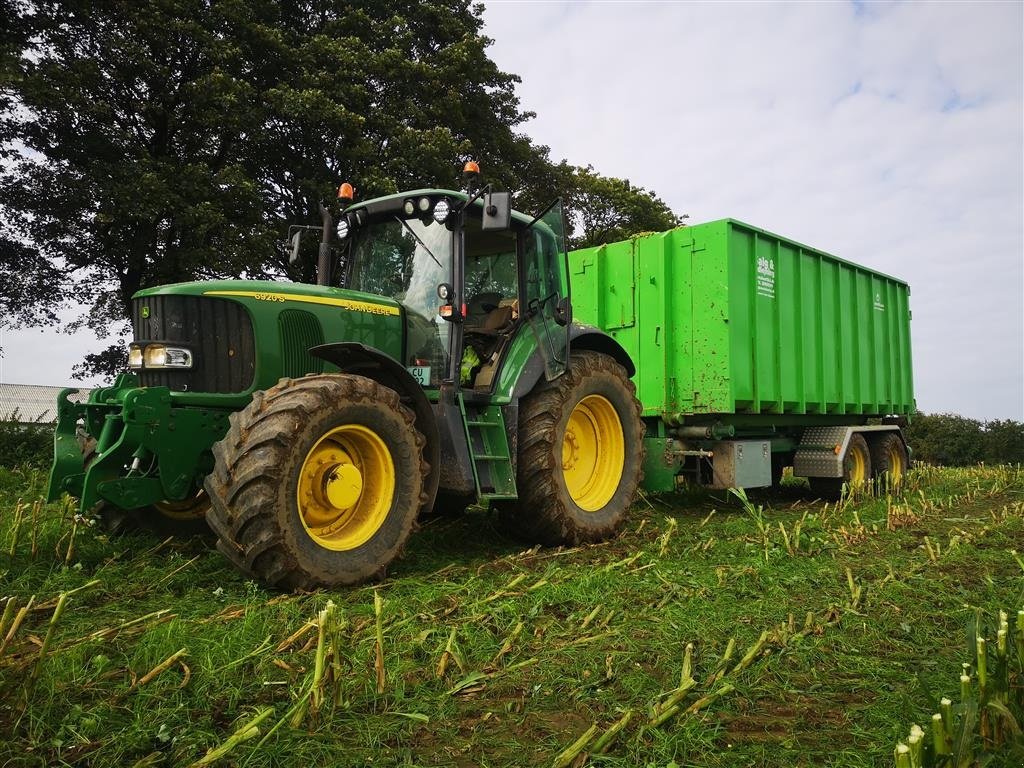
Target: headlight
{"points": [[162, 356], [424, 204], [441, 211], [409, 207], [134, 356], [342, 229]]}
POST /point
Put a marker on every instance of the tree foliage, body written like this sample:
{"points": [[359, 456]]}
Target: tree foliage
{"points": [[606, 210], [167, 140], [951, 440]]}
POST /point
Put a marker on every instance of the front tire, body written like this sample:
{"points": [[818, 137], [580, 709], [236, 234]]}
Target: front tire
{"points": [[580, 455], [318, 482]]}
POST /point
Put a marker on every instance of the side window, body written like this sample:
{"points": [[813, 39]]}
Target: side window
{"points": [[491, 279]]}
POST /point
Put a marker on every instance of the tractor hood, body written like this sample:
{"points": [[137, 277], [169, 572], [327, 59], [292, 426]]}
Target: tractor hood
{"points": [[230, 338], [275, 292]]}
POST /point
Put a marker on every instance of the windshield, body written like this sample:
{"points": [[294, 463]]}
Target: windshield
{"points": [[405, 260]]}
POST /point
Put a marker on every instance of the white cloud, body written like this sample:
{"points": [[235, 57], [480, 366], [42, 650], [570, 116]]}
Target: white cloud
{"points": [[888, 134]]}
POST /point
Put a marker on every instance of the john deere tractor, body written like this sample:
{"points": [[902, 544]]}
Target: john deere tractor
{"points": [[435, 362]]}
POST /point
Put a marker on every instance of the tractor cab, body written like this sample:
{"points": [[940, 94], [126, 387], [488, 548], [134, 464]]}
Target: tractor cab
{"points": [[469, 273]]}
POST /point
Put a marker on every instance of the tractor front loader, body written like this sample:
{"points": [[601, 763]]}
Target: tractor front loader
{"points": [[435, 362]]}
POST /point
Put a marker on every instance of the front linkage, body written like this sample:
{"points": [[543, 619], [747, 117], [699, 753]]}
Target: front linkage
{"points": [[147, 449]]}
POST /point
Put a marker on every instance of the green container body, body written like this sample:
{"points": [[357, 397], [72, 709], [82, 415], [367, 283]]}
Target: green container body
{"points": [[725, 318]]}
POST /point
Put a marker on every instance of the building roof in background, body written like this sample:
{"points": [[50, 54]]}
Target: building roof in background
{"points": [[33, 402]]}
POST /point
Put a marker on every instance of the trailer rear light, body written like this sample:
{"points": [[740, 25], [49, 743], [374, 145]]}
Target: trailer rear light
{"points": [[134, 356], [162, 356]]}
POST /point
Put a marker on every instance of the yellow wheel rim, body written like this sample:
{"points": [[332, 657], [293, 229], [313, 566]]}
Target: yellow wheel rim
{"points": [[186, 509], [896, 464], [593, 452], [346, 486], [858, 466]]}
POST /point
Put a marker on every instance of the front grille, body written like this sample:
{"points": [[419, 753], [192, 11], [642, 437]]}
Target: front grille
{"points": [[300, 332], [217, 331]]}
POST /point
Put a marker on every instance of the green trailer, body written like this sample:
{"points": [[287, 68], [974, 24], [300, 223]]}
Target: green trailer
{"points": [[750, 344]]}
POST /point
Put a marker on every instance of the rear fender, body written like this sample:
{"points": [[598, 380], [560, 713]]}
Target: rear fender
{"points": [[581, 337], [361, 360]]}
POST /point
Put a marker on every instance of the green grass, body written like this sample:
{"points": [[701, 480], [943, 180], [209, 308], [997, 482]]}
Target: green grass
{"points": [[603, 631]]}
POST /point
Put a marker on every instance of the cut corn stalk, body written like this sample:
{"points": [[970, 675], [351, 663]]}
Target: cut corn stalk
{"points": [[34, 550], [671, 706], [247, 731], [902, 756], [44, 649], [70, 553], [672, 525], [608, 737], [160, 668], [507, 645], [448, 653], [941, 743], [16, 624], [751, 654], [720, 668], [982, 667], [590, 617], [378, 664], [16, 530], [8, 612], [567, 756], [711, 698], [916, 743]]}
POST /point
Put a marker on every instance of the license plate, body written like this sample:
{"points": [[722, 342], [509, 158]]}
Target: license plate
{"points": [[421, 373]]}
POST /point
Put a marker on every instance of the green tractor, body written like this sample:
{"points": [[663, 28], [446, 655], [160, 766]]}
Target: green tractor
{"points": [[434, 363]]}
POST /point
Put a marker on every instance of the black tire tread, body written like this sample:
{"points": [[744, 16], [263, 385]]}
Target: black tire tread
{"points": [[248, 471], [542, 512]]}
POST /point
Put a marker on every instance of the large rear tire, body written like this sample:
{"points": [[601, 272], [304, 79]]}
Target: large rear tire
{"points": [[318, 482], [580, 455]]}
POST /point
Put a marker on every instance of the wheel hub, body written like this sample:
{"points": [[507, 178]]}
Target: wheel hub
{"points": [[344, 485], [345, 489], [593, 453]]}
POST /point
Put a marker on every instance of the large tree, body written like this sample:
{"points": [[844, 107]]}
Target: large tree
{"points": [[166, 140]]}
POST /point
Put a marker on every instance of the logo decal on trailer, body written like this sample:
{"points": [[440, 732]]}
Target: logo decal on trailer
{"points": [[765, 277], [879, 305]]}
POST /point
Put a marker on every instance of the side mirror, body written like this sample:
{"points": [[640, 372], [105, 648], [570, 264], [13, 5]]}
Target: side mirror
{"points": [[293, 258], [497, 211], [563, 312]]}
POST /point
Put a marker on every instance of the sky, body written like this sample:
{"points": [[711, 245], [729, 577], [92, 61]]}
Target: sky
{"points": [[889, 134]]}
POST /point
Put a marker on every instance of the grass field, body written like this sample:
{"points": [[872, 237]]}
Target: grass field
{"points": [[841, 626]]}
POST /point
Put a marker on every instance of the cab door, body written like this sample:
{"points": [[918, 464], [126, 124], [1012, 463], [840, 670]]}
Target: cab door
{"points": [[546, 289]]}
